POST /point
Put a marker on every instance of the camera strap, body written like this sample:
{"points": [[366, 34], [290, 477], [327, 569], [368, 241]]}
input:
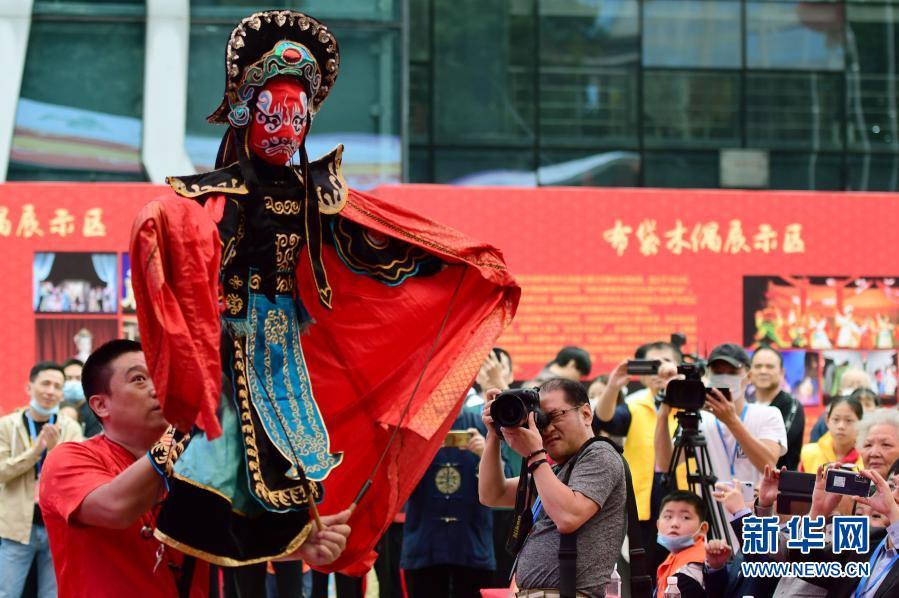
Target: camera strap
{"points": [[641, 583], [523, 519]]}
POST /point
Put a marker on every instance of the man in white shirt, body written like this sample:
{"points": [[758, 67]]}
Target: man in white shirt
{"points": [[741, 437]]}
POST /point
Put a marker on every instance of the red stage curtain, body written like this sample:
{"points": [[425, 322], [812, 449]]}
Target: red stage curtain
{"points": [[54, 337]]}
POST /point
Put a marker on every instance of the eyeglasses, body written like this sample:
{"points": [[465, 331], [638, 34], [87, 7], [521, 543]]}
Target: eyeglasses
{"points": [[556, 416]]}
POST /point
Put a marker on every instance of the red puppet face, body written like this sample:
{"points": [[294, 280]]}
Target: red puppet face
{"points": [[279, 121]]}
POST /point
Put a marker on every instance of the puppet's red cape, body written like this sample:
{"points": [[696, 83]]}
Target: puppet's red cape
{"points": [[365, 356]]}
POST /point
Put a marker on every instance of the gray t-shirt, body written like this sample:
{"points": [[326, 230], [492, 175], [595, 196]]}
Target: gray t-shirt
{"points": [[598, 475]]}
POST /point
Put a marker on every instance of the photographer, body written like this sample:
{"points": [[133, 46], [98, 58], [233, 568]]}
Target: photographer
{"points": [[591, 502], [742, 438]]}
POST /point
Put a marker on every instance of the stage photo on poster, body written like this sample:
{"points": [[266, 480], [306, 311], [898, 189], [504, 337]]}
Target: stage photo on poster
{"points": [[127, 292], [820, 312], [72, 282], [62, 338]]}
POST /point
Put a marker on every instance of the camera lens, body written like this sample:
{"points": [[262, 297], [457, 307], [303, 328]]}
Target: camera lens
{"points": [[508, 411]]}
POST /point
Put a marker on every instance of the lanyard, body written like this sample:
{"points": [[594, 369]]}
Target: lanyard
{"points": [[32, 431], [733, 456], [538, 506], [863, 584]]}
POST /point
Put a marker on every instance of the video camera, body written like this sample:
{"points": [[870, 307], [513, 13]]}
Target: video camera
{"points": [[687, 394], [511, 409]]}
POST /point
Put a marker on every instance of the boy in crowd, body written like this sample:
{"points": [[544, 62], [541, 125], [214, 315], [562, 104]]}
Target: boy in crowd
{"points": [[682, 529]]}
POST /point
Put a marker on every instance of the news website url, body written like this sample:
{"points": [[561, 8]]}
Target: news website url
{"points": [[811, 569]]}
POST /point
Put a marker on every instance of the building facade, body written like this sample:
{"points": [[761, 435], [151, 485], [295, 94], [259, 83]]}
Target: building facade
{"points": [[663, 93]]}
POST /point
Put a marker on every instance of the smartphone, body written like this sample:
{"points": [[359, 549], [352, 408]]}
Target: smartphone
{"points": [[840, 481], [457, 439], [724, 391], [643, 367], [794, 492], [748, 491]]}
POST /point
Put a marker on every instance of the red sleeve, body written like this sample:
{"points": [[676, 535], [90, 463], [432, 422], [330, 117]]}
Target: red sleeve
{"points": [[175, 255], [70, 473]]}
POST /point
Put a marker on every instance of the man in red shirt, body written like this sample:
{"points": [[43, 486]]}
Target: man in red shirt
{"points": [[100, 497]]}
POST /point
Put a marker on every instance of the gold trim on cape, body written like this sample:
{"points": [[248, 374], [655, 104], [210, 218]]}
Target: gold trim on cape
{"points": [[224, 561]]}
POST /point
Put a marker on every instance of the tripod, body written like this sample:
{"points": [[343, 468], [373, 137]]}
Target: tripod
{"points": [[691, 444]]}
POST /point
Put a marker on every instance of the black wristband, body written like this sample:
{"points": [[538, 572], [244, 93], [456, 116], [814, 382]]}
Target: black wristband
{"points": [[533, 466], [535, 453]]}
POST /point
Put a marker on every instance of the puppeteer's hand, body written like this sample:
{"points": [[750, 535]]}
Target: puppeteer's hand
{"points": [[167, 450], [524, 441], [324, 546]]}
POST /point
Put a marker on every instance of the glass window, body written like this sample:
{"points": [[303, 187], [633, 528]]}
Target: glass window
{"points": [[484, 167], [362, 111], [873, 172], [320, 9], [569, 168], [589, 32], [484, 91], [871, 82], [870, 39], [691, 33], [419, 103], [794, 110], [813, 171], [681, 169], [419, 30], [80, 106], [420, 165], [588, 88], [691, 109], [588, 107], [872, 119], [801, 35]]}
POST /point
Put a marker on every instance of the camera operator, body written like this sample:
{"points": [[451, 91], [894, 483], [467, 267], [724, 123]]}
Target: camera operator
{"points": [[591, 503], [636, 421], [742, 438]]}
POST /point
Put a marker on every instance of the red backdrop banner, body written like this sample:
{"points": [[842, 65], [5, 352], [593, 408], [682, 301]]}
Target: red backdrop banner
{"points": [[606, 269]]}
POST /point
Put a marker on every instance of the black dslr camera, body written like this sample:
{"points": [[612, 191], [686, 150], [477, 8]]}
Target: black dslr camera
{"points": [[687, 394], [511, 409]]}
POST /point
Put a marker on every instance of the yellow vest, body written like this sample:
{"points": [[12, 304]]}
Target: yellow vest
{"points": [[816, 454], [639, 449]]}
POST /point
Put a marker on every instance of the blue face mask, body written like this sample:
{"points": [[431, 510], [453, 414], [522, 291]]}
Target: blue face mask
{"points": [[41, 411], [675, 544], [72, 391]]}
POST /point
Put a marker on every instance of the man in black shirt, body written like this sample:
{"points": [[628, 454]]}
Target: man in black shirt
{"points": [[766, 374]]}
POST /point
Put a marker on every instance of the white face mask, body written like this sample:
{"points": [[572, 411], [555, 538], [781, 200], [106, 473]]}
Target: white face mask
{"points": [[72, 391], [732, 382]]}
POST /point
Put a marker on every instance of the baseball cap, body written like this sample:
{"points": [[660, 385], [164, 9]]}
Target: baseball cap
{"points": [[730, 353]]}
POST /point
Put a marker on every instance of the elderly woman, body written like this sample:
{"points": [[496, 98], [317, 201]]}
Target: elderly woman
{"points": [[878, 439]]}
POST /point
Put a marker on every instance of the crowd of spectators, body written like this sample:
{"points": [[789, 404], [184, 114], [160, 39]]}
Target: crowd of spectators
{"points": [[452, 537]]}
